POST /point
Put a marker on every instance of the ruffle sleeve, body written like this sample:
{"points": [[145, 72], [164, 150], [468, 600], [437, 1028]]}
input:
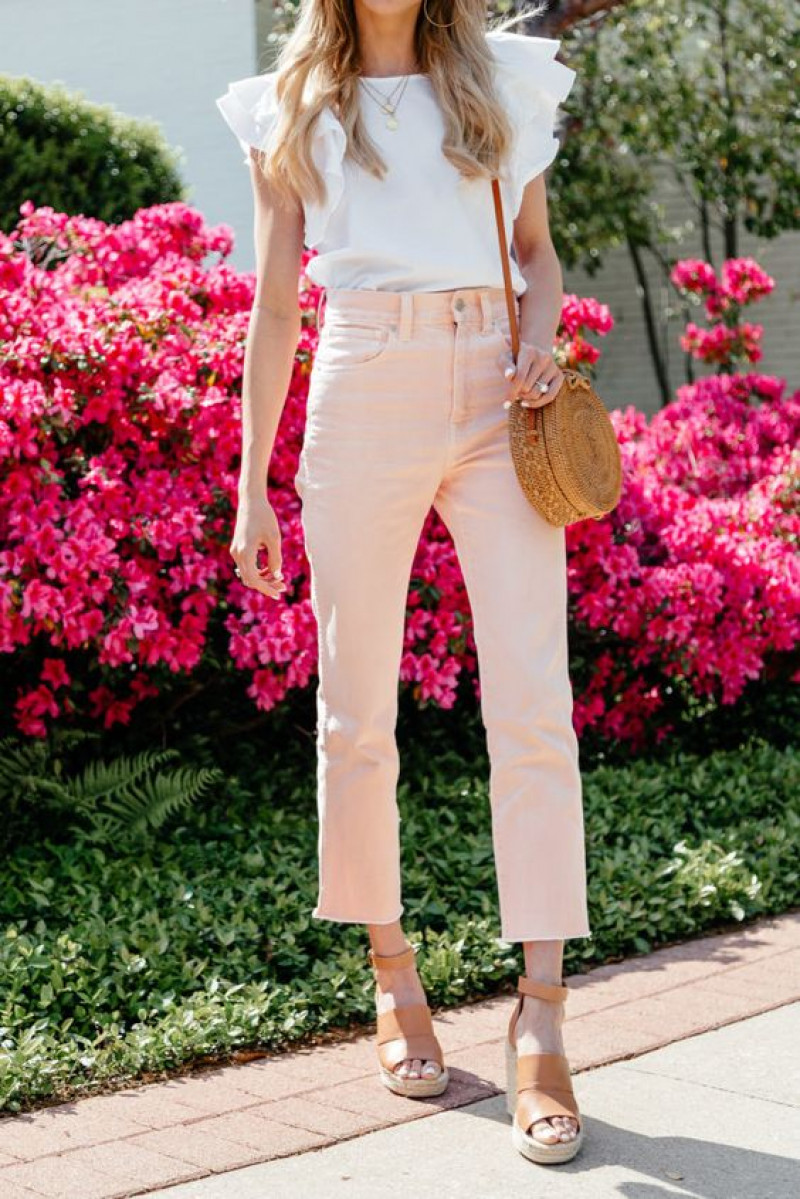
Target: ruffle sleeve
{"points": [[532, 84], [251, 109]]}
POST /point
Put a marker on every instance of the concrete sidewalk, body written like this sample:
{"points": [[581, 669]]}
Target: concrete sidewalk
{"points": [[325, 1105], [716, 1116]]}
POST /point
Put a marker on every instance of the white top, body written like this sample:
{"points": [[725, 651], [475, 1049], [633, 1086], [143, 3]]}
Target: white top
{"points": [[423, 227]]}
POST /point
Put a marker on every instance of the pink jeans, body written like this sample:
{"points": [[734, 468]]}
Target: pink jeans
{"points": [[405, 410]]}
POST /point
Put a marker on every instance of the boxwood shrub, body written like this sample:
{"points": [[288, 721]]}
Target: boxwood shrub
{"points": [[59, 149]]}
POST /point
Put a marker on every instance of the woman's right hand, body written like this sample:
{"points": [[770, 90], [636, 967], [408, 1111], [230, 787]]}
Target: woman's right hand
{"points": [[257, 527]]}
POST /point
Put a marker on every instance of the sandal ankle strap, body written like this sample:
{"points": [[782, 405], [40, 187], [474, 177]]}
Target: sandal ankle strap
{"points": [[550, 991], [392, 961]]}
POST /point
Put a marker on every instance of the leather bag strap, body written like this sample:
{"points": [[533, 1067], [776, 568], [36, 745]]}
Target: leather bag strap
{"points": [[501, 234]]}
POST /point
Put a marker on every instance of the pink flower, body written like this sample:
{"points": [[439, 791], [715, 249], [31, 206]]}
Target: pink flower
{"points": [[55, 673]]}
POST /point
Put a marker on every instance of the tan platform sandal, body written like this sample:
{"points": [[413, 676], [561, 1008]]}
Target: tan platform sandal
{"points": [[406, 1032], [539, 1085]]}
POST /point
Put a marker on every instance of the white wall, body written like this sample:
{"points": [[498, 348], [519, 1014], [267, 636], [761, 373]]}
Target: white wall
{"points": [[166, 60]]}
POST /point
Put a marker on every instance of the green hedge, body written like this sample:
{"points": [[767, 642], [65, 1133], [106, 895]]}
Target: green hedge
{"points": [[198, 939], [60, 149]]}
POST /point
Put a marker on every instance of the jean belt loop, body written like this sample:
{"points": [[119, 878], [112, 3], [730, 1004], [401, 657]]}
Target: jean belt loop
{"points": [[406, 314], [487, 309], [323, 295]]}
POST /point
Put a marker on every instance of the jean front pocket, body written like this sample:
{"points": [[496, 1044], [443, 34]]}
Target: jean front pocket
{"points": [[349, 342]]}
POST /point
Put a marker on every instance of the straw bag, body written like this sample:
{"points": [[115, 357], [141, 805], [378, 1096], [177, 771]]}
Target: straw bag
{"points": [[565, 452]]}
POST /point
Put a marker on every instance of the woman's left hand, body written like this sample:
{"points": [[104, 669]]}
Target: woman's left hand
{"points": [[535, 368]]}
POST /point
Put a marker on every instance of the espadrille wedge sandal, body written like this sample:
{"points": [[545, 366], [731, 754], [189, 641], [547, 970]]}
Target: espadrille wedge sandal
{"points": [[406, 1032], [539, 1085]]}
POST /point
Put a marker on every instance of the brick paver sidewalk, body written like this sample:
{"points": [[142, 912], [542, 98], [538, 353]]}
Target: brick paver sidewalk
{"points": [[153, 1136]]}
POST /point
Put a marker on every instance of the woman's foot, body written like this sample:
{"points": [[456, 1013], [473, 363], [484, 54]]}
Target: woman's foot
{"points": [[539, 1031], [400, 987]]}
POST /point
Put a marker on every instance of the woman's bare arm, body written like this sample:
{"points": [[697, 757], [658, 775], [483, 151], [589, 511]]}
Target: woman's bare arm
{"points": [[272, 336], [541, 302]]}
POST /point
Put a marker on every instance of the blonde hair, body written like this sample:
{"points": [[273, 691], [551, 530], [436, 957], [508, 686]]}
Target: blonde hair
{"points": [[319, 65]]}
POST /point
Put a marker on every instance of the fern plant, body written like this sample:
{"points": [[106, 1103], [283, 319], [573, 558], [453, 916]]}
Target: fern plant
{"points": [[114, 802]]}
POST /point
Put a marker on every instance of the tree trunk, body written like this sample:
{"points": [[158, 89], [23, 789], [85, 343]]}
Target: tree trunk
{"points": [[656, 356]]}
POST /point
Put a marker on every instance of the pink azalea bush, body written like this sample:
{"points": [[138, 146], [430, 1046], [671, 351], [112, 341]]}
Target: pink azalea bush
{"points": [[694, 579], [121, 353], [729, 342]]}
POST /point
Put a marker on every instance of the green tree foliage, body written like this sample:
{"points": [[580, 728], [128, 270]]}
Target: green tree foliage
{"points": [[697, 94]]}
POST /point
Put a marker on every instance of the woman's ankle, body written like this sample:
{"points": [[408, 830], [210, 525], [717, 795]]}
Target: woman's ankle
{"points": [[387, 940], [544, 961]]}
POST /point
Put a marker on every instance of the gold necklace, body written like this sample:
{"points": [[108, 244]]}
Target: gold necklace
{"points": [[387, 104]]}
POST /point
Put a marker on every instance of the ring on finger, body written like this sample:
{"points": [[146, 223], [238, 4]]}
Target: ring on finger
{"points": [[528, 395]]}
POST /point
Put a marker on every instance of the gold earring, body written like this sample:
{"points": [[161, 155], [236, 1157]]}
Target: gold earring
{"points": [[438, 24]]}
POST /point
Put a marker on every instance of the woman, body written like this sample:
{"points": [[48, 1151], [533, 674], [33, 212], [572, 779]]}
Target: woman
{"points": [[374, 142]]}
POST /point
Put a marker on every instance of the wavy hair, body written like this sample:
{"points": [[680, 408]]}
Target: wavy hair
{"points": [[319, 65]]}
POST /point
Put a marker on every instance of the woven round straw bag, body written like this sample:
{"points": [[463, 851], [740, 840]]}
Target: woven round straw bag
{"points": [[565, 452]]}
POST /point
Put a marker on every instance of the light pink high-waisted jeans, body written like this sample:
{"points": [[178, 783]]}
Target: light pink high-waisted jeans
{"points": [[405, 410]]}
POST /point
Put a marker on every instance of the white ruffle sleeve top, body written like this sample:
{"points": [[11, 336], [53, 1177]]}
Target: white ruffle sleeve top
{"points": [[423, 227]]}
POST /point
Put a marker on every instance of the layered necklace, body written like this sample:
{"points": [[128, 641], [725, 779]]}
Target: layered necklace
{"points": [[388, 104]]}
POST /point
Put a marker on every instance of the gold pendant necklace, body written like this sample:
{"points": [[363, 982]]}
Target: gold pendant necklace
{"points": [[385, 103]]}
